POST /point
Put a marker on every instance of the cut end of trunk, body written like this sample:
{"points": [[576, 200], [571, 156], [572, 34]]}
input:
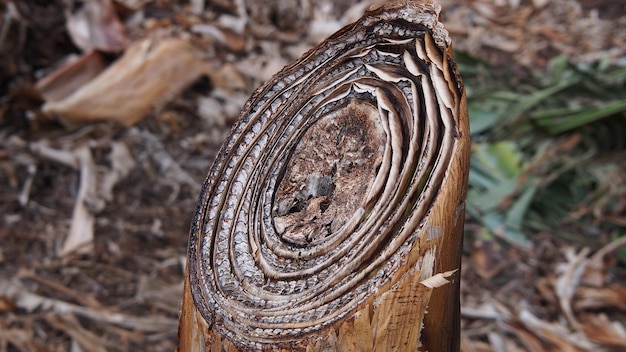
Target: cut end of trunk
{"points": [[332, 218]]}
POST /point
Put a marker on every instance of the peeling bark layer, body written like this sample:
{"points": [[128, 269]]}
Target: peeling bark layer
{"points": [[332, 217]]}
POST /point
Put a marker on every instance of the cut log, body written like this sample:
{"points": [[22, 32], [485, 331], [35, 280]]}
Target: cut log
{"points": [[332, 218]]}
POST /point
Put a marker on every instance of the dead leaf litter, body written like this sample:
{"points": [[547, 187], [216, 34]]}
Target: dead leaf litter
{"points": [[112, 111]]}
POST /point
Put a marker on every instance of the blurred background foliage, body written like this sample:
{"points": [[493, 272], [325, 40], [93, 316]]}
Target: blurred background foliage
{"points": [[549, 150]]}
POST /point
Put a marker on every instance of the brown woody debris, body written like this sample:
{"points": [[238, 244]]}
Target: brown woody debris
{"points": [[150, 71]]}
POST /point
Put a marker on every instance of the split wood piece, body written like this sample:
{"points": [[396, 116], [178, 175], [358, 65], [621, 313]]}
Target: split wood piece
{"points": [[332, 218]]}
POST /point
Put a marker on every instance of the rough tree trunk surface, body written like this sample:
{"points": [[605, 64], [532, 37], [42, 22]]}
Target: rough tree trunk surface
{"points": [[332, 218]]}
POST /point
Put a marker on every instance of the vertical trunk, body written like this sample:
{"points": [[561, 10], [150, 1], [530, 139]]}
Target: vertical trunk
{"points": [[332, 217]]}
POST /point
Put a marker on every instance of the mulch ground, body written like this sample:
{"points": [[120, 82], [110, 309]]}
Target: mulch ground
{"points": [[94, 214]]}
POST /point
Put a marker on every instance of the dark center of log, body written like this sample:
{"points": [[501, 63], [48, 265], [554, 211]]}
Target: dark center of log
{"points": [[328, 174]]}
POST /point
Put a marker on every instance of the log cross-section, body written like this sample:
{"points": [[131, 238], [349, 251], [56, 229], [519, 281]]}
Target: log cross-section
{"points": [[332, 218]]}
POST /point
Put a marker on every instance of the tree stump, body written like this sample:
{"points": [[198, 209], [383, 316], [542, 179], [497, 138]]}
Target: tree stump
{"points": [[332, 218]]}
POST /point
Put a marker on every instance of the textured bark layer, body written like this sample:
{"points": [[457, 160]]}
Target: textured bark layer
{"points": [[332, 217]]}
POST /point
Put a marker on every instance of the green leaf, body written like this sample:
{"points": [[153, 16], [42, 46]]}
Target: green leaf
{"points": [[502, 159], [571, 119], [483, 116], [529, 101], [516, 213], [495, 223]]}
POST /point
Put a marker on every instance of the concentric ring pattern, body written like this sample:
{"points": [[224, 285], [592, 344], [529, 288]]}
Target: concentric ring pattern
{"points": [[322, 187]]}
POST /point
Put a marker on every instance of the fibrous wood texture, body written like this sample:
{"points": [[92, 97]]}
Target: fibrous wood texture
{"points": [[331, 219]]}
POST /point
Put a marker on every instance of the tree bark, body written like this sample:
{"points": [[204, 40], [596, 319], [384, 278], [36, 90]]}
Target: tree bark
{"points": [[332, 218]]}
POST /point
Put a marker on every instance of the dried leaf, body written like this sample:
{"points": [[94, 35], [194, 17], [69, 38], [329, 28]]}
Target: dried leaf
{"points": [[159, 293], [122, 162], [228, 78], [27, 185], [30, 302], [81, 234], [487, 258], [22, 339], [150, 71], [560, 337], [95, 25], [569, 280], [70, 325], [67, 79], [262, 67], [133, 4], [613, 296], [96, 187], [609, 334], [233, 41], [62, 156], [597, 273], [173, 175], [528, 338], [7, 305], [51, 285]]}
